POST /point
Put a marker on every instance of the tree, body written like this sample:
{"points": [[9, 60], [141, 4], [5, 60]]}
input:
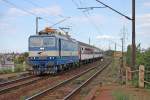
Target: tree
{"points": [[26, 54], [139, 56], [21, 58], [147, 58], [128, 56]]}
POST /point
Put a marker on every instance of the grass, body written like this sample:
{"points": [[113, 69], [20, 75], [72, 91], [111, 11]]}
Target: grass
{"points": [[120, 95], [17, 68], [5, 71]]}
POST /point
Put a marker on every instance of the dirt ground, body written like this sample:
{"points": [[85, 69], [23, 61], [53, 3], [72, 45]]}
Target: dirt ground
{"points": [[111, 89], [116, 92]]}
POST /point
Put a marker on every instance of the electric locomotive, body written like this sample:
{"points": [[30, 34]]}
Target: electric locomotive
{"points": [[51, 51]]}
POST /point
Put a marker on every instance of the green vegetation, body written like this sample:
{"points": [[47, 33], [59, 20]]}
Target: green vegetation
{"points": [[17, 68], [20, 64], [128, 55], [5, 71], [119, 95], [21, 58], [109, 53], [142, 58]]}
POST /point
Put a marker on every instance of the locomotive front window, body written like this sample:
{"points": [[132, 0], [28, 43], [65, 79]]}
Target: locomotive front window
{"points": [[42, 42], [35, 42], [48, 41]]}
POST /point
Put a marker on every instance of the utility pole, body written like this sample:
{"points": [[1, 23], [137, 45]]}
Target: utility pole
{"points": [[37, 23], [122, 65], [89, 41], [115, 50], [122, 40], [109, 45], [133, 27], [115, 47], [133, 35], [131, 19]]}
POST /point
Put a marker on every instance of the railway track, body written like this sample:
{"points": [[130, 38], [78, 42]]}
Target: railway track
{"points": [[74, 84], [29, 90], [4, 78], [76, 90], [14, 84], [14, 81]]}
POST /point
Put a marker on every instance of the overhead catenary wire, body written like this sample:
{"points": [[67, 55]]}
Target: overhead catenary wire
{"points": [[24, 10], [36, 5], [114, 10], [33, 14], [95, 26], [90, 20], [60, 21]]}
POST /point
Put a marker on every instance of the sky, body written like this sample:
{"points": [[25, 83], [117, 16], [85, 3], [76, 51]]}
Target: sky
{"points": [[103, 26]]}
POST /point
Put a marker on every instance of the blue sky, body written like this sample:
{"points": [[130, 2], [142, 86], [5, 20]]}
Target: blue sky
{"points": [[102, 25]]}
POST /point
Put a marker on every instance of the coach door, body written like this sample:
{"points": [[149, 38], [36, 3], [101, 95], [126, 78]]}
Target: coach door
{"points": [[60, 47]]}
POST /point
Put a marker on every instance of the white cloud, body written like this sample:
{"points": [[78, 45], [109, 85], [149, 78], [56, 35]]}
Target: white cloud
{"points": [[7, 20], [146, 4], [96, 19], [7, 25], [16, 12], [53, 10], [104, 37], [143, 23], [143, 20]]}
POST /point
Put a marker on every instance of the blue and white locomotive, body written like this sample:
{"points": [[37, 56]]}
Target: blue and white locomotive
{"points": [[52, 51]]}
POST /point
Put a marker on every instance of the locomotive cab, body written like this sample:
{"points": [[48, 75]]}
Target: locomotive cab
{"points": [[42, 52]]}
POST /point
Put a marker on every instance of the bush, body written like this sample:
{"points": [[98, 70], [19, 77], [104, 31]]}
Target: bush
{"points": [[5, 71], [135, 80], [19, 68]]}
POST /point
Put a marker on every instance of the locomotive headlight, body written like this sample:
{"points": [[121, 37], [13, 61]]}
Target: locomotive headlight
{"points": [[52, 57], [49, 57], [33, 57]]}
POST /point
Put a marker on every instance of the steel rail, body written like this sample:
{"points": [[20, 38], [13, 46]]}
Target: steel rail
{"points": [[4, 90], [70, 95], [59, 84], [16, 80]]}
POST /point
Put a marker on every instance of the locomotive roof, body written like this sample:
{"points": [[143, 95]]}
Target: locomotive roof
{"points": [[85, 44], [59, 36]]}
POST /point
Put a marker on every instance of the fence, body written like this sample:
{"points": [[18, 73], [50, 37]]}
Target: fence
{"points": [[141, 75], [14, 68]]}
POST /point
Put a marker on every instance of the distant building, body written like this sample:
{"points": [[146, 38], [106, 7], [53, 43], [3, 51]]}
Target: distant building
{"points": [[6, 61], [118, 54]]}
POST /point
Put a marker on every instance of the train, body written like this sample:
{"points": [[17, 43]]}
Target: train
{"points": [[53, 50]]}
